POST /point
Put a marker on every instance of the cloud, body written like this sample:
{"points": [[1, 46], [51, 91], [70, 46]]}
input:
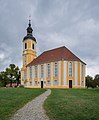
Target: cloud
{"points": [[74, 24], [5, 53], [2, 56]]}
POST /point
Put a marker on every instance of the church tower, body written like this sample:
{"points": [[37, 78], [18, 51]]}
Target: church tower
{"points": [[29, 51]]}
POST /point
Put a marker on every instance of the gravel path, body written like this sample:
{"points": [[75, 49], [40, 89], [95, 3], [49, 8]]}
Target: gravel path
{"points": [[34, 109]]}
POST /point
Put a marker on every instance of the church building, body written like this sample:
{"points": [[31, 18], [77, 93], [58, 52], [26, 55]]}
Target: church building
{"points": [[55, 68]]}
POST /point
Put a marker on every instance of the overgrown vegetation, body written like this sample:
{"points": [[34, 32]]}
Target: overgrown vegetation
{"points": [[73, 104], [92, 82], [10, 75], [11, 99]]}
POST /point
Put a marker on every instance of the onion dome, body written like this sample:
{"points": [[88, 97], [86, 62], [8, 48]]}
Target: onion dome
{"points": [[29, 33]]}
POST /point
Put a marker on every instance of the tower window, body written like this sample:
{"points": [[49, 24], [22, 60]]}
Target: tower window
{"points": [[25, 45], [32, 46]]}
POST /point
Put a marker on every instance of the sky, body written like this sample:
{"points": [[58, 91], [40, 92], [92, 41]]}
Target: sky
{"points": [[55, 23]]}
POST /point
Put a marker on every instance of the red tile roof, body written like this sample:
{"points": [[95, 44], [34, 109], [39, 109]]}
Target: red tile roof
{"points": [[61, 53]]}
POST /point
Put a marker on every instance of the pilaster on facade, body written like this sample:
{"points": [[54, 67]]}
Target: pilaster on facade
{"points": [[44, 73], [59, 72], [52, 73], [33, 69], [28, 74], [65, 73], [76, 73], [38, 73], [80, 73], [84, 74], [22, 77]]}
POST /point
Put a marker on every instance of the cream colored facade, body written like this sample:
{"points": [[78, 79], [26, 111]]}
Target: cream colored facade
{"points": [[61, 80]]}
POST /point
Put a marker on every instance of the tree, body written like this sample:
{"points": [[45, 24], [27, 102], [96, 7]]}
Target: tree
{"points": [[89, 81], [13, 73], [96, 80], [4, 80], [17, 76]]}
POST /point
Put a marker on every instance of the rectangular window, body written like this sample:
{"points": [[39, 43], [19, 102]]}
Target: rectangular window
{"points": [[55, 69], [30, 72], [35, 71], [24, 75], [55, 82], [30, 83], [48, 82], [42, 69], [70, 68], [35, 82], [48, 70]]}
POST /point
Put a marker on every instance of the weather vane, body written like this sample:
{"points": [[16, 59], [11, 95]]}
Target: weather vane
{"points": [[29, 17]]}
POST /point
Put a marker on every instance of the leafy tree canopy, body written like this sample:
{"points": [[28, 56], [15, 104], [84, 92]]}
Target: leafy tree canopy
{"points": [[10, 75]]}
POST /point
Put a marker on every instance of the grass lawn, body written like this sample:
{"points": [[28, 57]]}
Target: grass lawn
{"points": [[73, 104], [11, 99]]}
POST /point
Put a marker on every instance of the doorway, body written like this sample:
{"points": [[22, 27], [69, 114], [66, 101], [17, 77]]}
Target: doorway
{"points": [[70, 83], [41, 84]]}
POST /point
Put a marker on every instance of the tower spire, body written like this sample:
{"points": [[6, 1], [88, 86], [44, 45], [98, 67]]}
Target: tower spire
{"points": [[29, 21], [29, 29]]}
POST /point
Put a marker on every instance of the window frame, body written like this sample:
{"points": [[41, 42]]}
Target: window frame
{"points": [[48, 70], [55, 69], [82, 70], [70, 69], [30, 68], [42, 71], [36, 75]]}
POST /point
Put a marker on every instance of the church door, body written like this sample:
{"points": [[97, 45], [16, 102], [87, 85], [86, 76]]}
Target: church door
{"points": [[70, 83], [41, 84]]}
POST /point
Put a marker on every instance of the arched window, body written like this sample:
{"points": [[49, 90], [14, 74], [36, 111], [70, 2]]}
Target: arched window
{"points": [[42, 71], [30, 72], [35, 71], [32, 46], [70, 68], [48, 70], [55, 69], [25, 45]]}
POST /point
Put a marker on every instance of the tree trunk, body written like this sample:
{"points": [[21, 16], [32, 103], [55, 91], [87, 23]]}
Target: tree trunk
{"points": [[10, 83], [5, 84]]}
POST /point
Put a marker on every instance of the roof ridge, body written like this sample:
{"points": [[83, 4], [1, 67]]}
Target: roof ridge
{"points": [[54, 55], [54, 49]]}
